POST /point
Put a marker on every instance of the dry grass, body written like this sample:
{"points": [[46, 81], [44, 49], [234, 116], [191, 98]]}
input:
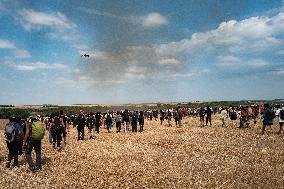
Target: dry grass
{"points": [[3, 122], [161, 157]]}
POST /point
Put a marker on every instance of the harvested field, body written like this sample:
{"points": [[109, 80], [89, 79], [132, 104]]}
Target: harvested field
{"points": [[3, 122], [160, 157]]}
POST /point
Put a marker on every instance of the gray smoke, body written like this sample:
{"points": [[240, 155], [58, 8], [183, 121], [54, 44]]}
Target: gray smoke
{"points": [[124, 50]]}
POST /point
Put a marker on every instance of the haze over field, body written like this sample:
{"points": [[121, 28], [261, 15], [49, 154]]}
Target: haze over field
{"points": [[140, 51]]}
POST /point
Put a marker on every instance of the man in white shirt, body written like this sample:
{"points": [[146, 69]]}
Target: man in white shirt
{"points": [[280, 114], [223, 116]]}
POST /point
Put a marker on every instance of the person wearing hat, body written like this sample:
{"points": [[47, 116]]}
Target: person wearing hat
{"points": [[280, 114]]}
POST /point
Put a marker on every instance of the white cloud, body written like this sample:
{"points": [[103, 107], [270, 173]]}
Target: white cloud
{"points": [[150, 20], [257, 63], [18, 53], [21, 53], [280, 72], [36, 20], [56, 24], [5, 44], [169, 61], [235, 62], [183, 75], [228, 59], [256, 33], [102, 13], [37, 66], [85, 82], [81, 47], [154, 20]]}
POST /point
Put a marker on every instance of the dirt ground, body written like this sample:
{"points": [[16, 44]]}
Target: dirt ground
{"points": [[160, 157]]}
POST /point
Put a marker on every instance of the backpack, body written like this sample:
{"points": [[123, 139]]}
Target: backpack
{"points": [[109, 119], [38, 130], [271, 114], [234, 116], [118, 119], [92, 120], [10, 132], [281, 114]]}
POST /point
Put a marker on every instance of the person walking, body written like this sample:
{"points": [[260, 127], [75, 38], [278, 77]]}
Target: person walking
{"points": [[108, 119], [179, 112], [233, 116], [118, 121], [57, 130], [141, 121], [162, 116], [280, 114], [81, 121], [208, 113], [134, 120], [169, 116], [126, 120], [13, 133], [98, 118], [268, 116], [64, 125], [32, 141], [223, 116], [201, 116], [91, 125]]}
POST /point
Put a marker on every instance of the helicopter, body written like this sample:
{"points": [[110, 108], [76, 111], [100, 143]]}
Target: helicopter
{"points": [[85, 55]]}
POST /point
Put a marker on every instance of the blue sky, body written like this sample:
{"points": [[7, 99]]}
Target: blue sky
{"points": [[140, 51]]}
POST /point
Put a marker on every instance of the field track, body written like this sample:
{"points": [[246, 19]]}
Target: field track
{"points": [[160, 157]]}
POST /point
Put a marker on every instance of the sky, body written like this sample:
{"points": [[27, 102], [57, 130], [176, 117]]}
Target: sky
{"points": [[140, 51]]}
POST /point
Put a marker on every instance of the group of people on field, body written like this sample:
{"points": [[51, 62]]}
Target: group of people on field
{"points": [[94, 121], [25, 135], [247, 114]]}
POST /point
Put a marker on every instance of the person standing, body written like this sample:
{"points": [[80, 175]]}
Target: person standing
{"points": [[13, 132], [141, 121], [169, 116], [175, 116], [126, 120], [233, 116], [98, 118], [134, 120], [118, 121], [201, 115], [34, 134], [208, 113], [57, 130], [223, 116], [179, 117], [268, 116], [91, 125], [243, 118], [81, 121], [254, 113], [155, 114], [162, 116], [108, 119], [64, 125], [280, 114]]}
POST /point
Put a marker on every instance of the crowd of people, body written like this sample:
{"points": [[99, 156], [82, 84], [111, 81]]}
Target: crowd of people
{"points": [[25, 135]]}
